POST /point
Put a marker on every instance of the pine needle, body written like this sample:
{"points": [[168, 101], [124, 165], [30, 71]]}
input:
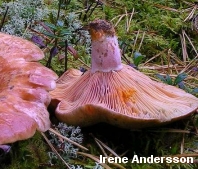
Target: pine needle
{"points": [[106, 147], [67, 139], [95, 159], [55, 151]]}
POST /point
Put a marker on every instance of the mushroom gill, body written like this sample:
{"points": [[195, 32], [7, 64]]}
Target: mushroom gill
{"points": [[115, 93], [24, 89]]}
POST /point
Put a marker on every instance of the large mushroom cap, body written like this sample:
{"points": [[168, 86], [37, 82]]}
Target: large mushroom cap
{"points": [[23, 90], [123, 97], [14, 48]]}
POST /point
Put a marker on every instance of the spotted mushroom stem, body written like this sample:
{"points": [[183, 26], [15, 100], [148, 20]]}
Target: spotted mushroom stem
{"points": [[105, 54]]}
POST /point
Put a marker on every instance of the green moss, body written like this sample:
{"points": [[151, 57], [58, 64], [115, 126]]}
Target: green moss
{"points": [[28, 154]]}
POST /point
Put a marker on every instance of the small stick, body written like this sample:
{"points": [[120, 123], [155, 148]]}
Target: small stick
{"points": [[95, 159], [4, 16], [106, 147], [65, 138], [135, 41], [157, 55], [141, 41], [130, 19], [54, 150]]}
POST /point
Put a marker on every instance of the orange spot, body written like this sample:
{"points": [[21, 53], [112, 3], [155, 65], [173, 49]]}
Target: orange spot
{"points": [[127, 95], [96, 35]]}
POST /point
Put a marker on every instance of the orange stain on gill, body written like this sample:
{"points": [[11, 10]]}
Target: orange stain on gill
{"points": [[127, 98], [127, 95]]}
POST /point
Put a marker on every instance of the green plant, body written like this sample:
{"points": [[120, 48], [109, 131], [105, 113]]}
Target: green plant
{"points": [[138, 58], [168, 80]]}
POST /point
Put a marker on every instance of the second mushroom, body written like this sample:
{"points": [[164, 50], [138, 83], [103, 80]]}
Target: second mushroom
{"points": [[24, 89]]}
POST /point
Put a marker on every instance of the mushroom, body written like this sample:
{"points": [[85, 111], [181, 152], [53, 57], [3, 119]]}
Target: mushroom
{"points": [[24, 87], [116, 93]]}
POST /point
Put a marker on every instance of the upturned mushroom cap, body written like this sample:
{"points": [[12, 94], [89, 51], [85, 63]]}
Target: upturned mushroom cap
{"points": [[117, 94], [23, 89]]}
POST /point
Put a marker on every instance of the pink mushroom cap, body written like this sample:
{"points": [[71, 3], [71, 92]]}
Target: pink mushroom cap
{"points": [[24, 89]]}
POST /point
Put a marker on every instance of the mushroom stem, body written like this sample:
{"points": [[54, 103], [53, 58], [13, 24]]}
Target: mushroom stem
{"points": [[105, 55]]}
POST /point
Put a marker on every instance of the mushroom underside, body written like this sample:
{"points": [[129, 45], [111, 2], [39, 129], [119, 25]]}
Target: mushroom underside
{"points": [[126, 98]]}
